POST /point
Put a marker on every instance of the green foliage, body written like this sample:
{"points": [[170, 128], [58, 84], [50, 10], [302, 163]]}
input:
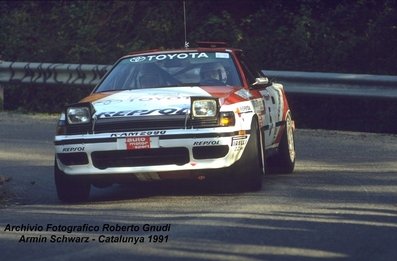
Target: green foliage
{"points": [[312, 35]]}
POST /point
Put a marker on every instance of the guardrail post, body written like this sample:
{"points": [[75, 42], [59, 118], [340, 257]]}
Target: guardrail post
{"points": [[1, 91], [1, 98]]}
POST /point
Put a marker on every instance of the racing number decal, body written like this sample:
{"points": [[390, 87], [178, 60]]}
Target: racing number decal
{"points": [[273, 106]]}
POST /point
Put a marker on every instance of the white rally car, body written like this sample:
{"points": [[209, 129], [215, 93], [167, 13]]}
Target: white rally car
{"points": [[175, 114]]}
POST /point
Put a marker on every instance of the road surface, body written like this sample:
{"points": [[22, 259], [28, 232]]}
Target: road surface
{"points": [[340, 204]]}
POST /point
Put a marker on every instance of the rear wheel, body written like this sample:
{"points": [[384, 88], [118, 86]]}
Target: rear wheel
{"points": [[248, 172], [69, 188]]}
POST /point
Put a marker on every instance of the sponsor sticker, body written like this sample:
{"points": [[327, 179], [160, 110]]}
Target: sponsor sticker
{"points": [[222, 55], [73, 149], [243, 93], [244, 108], [170, 56], [239, 140], [206, 143], [137, 143], [127, 113], [138, 133]]}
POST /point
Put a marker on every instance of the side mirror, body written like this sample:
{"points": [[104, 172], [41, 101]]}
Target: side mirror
{"points": [[261, 82]]}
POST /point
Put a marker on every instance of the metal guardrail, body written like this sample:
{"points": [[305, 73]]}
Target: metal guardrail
{"points": [[315, 83], [51, 73], [337, 84]]}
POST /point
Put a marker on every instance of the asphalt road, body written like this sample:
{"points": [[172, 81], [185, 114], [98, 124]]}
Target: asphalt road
{"points": [[340, 204]]}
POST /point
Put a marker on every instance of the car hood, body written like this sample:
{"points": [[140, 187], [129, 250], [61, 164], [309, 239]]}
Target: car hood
{"points": [[151, 102]]}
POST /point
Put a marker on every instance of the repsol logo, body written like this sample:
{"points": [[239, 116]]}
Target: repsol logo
{"points": [[73, 149], [206, 143], [168, 111]]}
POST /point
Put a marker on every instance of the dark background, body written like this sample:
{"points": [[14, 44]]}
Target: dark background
{"points": [[343, 36]]}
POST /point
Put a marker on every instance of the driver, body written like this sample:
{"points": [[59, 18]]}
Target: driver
{"points": [[213, 73], [147, 77]]}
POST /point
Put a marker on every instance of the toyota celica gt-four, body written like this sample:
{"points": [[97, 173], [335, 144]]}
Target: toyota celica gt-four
{"points": [[176, 114]]}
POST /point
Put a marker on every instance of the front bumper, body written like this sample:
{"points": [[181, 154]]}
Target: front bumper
{"points": [[149, 151]]}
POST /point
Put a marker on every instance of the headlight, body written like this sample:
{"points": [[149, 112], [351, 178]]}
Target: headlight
{"points": [[78, 115], [204, 108]]}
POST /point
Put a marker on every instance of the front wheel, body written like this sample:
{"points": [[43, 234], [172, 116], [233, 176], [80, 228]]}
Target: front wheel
{"points": [[69, 188], [248, 172], [284, 160]]}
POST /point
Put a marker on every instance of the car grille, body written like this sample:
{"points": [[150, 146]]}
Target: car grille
{"points": [[144, 157], [142, 123]]}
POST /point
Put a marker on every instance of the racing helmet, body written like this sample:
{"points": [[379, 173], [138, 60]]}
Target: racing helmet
{"points": [[213, 71]]}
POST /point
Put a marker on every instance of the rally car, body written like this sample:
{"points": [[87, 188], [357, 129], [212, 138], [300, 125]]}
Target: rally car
{"points": [[190, 113]]}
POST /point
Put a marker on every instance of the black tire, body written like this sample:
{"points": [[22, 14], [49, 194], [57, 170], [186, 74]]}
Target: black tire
{"points": [[248, 172], [70, 189], [284, 161]]}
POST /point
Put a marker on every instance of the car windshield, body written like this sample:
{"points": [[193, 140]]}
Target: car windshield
{"points": [[172, 69]]}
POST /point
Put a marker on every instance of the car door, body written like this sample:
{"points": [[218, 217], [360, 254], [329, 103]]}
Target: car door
{"points": [[271, 99]]}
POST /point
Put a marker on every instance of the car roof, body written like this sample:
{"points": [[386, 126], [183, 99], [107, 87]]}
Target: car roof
{"points": [[203, 47]]}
